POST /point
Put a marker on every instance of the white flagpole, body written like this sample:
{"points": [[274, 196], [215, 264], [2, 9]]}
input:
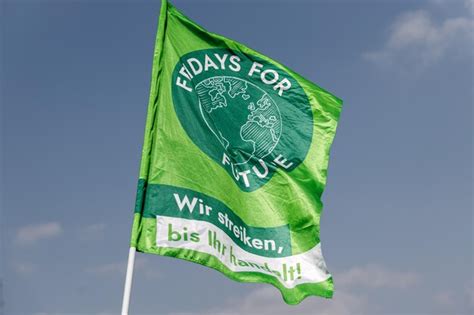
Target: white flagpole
{"points": [[128, 281], [157, 53]]}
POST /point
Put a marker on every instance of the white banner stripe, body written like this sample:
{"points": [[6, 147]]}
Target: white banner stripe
{"points": [[204, 237]]}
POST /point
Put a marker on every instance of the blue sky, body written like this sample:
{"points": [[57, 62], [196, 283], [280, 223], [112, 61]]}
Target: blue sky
{"points": [[397, 231]]}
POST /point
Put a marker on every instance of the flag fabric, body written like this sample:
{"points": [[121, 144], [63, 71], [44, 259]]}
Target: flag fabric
{"points": [[234, 161]]}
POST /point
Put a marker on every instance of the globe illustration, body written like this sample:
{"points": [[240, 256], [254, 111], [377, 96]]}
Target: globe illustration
{"points": [[242, 116]]}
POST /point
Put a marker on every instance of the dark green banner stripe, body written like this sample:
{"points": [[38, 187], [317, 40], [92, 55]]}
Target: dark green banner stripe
{"points": [[162, 200]]}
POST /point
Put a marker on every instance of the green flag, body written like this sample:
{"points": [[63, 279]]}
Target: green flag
{"points": [[234, 161]]}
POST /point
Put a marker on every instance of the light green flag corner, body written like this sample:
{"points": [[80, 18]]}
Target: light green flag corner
{"points": [[234, 161]]}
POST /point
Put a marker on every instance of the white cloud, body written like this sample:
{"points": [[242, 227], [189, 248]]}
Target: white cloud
{"points": [[109, 268], [456, 301], [469, 4], [349, 297], [267, 301], [92, 232], [470, 296], [25, 268], [375, 276], [445, 298], [142, 266], [416, 40], [32, 233]]}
